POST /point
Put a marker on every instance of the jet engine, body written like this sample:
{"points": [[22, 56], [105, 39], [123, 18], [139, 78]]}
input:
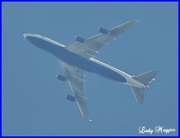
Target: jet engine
{"points": [[71, 98], [80, 39], [60, 77], [104, 31]]}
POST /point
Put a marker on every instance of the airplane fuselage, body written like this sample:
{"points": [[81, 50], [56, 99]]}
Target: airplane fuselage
{"points": [[90, 65], [79, 57]]}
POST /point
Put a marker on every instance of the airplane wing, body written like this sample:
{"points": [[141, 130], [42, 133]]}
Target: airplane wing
{"points": [[75, 79], [89, 47]]}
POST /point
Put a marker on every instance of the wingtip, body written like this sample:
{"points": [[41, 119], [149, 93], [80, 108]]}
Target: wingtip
{"points": [[137, 21], [155, 71], [134, 21], [90, 120]]}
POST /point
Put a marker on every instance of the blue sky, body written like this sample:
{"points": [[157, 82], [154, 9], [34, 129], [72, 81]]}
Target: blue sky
{"points": [[34, 101]]}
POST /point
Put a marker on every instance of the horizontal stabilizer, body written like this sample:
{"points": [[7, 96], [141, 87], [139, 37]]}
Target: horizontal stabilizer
{"points": [[138, 93], [146, 77]]}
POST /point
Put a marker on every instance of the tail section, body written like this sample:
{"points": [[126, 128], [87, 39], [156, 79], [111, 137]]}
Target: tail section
{"points": [[138, 94], [145, 79]]}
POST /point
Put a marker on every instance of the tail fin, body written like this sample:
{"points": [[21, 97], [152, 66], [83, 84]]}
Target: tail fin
{"points": [[145, 79]]}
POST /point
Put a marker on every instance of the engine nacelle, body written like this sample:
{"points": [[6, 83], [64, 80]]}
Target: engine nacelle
{"points": [[80, 39], [71, 98], [104, 31], [60, 77]]}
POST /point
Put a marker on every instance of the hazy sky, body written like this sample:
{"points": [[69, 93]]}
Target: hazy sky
{"points": [[34, 101]]}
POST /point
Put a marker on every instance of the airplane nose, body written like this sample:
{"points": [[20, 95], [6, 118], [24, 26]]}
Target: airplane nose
{"points": [[30, 37], [25, 35]]}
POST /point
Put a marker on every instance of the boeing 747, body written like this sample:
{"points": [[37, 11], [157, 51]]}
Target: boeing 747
{"points": [[79, 57]]}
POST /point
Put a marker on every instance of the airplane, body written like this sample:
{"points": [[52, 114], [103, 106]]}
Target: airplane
{"points": [[79, 57]]}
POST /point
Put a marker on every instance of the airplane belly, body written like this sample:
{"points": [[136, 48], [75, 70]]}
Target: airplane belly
{"points": [[90, 66], [73, 59], [108, 73]]}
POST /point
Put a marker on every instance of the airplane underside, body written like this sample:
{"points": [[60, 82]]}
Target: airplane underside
{"points": [[78, 57]]}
